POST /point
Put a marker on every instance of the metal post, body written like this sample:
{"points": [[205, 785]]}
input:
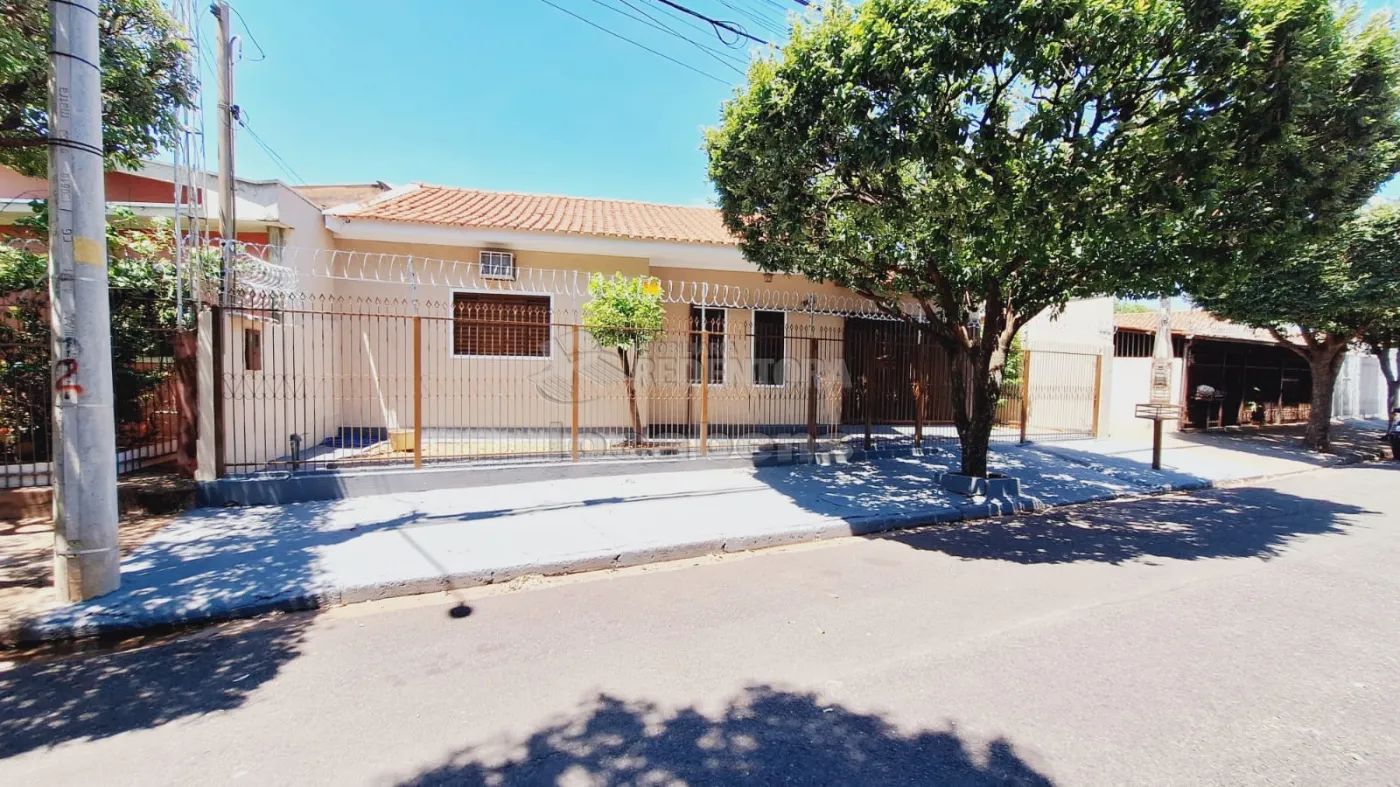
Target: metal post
{"points": [[573, 397], [1025, 394], [919, 395], [417, 392], [869, 410], [86, 560], [813, 380], [228, 220], [1098, 389], [1157, 444], [218, 322], [704, 389]]}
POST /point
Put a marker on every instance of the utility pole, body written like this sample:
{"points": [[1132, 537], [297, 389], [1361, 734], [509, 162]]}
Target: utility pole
{"points": [[228, 114], [86, 560]]}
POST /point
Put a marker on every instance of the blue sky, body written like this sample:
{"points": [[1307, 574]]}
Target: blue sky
{"points": [[499, 94]]}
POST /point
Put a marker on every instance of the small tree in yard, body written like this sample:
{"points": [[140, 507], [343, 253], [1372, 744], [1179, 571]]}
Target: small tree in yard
{"points": [[967, 165], [1334, 292], [626, 314]]}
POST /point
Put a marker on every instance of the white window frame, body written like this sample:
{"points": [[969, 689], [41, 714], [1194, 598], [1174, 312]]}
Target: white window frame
{"points": [[724, 359], [753, 347], [496, 255], [452, 313]]}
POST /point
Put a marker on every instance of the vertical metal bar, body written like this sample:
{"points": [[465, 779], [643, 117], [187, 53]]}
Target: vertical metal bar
{"points": [[1098, 389], [704, 387], [1156, 444], [919, 356], [217, 345], [869, 410], [573, 396], [1025, 394], [813, 379], [417, 392]]}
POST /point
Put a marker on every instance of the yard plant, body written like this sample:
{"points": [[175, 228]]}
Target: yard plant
{"points": [[625, 313], [967, 165]]}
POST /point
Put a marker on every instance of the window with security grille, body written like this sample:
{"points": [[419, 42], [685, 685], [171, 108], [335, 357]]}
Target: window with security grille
{"points": [[710, 319], [500, 325], [768, 347]]}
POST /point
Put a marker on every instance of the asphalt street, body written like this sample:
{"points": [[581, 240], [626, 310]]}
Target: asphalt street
{"points": [[1233, 637]]}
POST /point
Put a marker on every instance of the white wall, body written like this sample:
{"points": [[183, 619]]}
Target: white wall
{"points": [[1131, 386]]}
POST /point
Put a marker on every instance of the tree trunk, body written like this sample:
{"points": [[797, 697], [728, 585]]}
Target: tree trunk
{"points": [[1392, 385], [1323, 361], [627, 376], [976, 381]]}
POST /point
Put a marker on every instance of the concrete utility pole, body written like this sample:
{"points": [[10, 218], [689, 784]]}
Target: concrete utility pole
{"points": [[86, 560], [228, 114]]}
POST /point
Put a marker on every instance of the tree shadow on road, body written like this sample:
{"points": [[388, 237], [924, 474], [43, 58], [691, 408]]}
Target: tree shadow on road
{"points": [[1245, 522], [763, 736], [47, 701]]}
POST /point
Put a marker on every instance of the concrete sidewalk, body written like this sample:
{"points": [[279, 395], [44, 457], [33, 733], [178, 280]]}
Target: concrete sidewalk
{"points": [[214, 564]]}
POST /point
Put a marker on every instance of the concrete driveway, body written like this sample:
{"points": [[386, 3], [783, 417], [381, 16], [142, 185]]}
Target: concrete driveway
{"points": [[1241, 636]]}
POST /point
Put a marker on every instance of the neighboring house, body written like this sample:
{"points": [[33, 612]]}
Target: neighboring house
{"points": [[1227, 375], [319, 347]]}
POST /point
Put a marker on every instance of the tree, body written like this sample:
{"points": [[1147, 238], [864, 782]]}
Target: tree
{"points": [[625, 314], [1384, 339], [966, 165], [142, 308], [1332, 291], [146, 79]]}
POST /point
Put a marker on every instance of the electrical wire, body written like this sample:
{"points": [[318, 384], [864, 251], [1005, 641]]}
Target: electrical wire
{"points": [[717, 24], [615, 34], [723, 58], [277, 159], [261, 54]]}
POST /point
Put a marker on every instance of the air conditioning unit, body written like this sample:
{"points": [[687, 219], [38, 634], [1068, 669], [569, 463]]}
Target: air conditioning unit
{"points": [[497, 265]]}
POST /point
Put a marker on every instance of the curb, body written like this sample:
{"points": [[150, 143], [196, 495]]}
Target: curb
{"points": [[37, 632]]}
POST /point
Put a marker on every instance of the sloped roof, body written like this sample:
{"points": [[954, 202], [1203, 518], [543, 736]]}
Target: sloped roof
{"points": [[1193, 323], [334, 195], [425, 204]]}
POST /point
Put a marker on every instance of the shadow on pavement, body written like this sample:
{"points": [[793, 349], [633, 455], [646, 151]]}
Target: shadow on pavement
{"points": [[1245, 522], [764, 736], [1356, 439], [89, 696]]}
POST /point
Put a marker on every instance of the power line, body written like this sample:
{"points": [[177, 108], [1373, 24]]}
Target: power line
{"points": [[280, 162], [261, 54], [614, 34], [715, 23], [652, 21]]}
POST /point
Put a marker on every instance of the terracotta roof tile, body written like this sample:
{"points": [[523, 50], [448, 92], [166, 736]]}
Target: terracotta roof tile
{"points": [[1192, 323], [426, 204]]}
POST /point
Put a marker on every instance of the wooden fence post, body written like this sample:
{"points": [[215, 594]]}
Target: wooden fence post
{"points": [[704, 389], [1098, 389], [417, 392], [1025, 394], [813, 379], [573, 397]]}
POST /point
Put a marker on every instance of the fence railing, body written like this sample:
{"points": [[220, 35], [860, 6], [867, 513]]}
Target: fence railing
{"points": [[153, 378], [370, 383]]}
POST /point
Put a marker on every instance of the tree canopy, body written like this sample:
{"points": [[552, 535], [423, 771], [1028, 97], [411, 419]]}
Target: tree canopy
{"points": [[145, 81], [1333, 291], [626, 314], [967, 164]]}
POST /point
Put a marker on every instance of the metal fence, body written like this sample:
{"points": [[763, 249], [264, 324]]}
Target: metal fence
{"points": [[153, 377], [314, 382]]}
